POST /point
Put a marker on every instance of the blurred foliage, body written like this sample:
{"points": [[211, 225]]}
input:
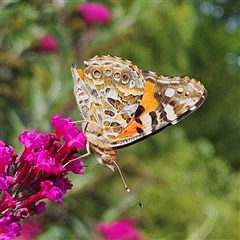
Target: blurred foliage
{"points": [[187, 177]]}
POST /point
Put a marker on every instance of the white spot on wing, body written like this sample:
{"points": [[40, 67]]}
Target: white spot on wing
{"points": [[147, 121], [180, 90], [170, 112], [192, 108], [169, 92]]}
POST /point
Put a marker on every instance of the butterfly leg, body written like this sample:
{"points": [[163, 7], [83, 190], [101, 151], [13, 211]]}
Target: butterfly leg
{"points": [[88, 153]]}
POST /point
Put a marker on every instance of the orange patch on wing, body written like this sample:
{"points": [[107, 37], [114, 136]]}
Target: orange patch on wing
{"points": [[131, 129], [81, 73], [149, 103]]}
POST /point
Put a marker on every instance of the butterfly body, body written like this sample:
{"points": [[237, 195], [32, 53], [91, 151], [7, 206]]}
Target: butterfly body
{"points": [[121, 104]]}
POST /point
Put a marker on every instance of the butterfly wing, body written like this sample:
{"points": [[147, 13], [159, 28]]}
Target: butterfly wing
{"points": [[166, 101], [108, 92]]}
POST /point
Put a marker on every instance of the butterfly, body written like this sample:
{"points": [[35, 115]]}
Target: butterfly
{"points": [[121, 104]]}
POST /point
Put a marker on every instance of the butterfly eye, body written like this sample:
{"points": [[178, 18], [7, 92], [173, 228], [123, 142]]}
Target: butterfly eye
{"points": [[108, 72], [117, 76], [125, 78], [97, 73]]}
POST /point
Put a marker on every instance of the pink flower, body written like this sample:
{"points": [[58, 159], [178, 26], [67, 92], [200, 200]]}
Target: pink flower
{"points": [[9, 227], [48, 44], [39, 173], [94, 13], [120, 230], [71, 135]]}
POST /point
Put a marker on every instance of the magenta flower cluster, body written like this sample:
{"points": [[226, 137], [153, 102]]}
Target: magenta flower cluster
{"points": [[91, 13], [47, 44], [94, 13], [120, 230], [38, 173]]}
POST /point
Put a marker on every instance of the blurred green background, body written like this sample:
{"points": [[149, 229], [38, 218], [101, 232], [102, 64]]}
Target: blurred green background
{"points": [[187, 177]]}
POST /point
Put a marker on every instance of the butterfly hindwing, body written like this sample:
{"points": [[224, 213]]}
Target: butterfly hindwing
{"points": [[108, 92]]}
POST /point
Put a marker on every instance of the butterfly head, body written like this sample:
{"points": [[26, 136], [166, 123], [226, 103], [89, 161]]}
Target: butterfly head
{"points": [[107, 161]]}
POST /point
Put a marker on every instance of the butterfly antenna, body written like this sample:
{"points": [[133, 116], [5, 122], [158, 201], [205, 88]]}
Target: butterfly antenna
{"points": [[124, 179]]}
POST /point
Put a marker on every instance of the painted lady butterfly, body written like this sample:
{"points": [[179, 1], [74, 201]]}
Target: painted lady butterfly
{"points": [[121, 104]]}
